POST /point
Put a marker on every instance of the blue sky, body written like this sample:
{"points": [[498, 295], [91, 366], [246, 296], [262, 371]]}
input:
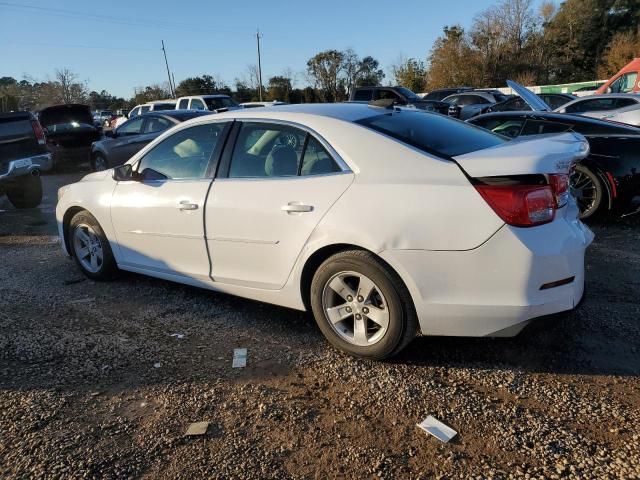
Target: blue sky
{"points": [[115, 45]]}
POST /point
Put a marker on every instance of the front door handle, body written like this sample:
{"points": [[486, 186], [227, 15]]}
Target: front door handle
{"points": [[296, 207], [187, 205]]}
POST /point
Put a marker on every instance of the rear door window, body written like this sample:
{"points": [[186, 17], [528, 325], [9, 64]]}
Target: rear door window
{"points": [[184, 104], [156, 124], [388, 95], [132, 127], [431, 133]]}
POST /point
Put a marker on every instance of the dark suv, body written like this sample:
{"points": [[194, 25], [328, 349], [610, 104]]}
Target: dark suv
{"points": [[23, 154], [399, 95]]}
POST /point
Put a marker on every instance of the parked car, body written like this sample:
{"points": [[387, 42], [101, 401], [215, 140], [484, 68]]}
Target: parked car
{"points": [[607, 179], [517, 104], [23, 155], [627, 80], [399, 96], [214, 103], [468, 104], [70, 131], [121, 144], [380, 221], [262, 104], [442, 93], [585, 91], [154, 106], [497, 94], [619, 107], [102, 117]]}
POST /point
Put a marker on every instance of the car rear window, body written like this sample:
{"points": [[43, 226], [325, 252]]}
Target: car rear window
{"points": [[432, 133]]}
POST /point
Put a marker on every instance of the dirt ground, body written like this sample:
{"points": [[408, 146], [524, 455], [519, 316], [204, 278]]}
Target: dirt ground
{"points": [[94, 385]]}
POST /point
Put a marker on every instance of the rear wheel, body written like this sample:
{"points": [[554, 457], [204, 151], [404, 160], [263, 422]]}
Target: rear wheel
{"points": [[25, 191], [588, 190], [90, 247], [361, 305]]}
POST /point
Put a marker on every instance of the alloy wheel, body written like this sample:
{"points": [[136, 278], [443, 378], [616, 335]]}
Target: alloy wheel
{"points": [[88, 248], [583, 188], [355, 308]]}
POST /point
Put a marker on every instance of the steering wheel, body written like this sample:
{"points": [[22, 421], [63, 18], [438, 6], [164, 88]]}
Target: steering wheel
{"points": [[288, 139]]}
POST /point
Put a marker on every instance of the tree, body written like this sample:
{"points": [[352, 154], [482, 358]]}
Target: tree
{"points": [[279, 88], [150, 93], [70, 90], [326, 71], [203, 85], [623, 48], [410, 73]]}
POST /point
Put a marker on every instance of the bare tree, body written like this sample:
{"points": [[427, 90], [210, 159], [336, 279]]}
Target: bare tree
{"points": [[70, 89]]}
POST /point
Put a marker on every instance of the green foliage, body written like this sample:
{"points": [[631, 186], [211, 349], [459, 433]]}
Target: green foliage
{"points": [[410, 73], [203, 85]]}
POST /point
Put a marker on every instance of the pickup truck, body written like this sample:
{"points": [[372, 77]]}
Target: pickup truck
{"points": [[23, 155], [400, 96]]}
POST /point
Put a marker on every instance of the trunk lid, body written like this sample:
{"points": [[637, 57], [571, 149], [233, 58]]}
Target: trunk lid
{"points": [[542, 154], [69, 125], [534, 101]]}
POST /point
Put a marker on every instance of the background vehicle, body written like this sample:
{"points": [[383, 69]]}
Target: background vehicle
{"points": [[619, 107], [497, 94], [121, 144], [23, 154], [585, 91], [291, 221], [517, 104], [400, 96], [70, 132], [442, 93], [608, 178], [103, 117], [468, 104], [213, 103], [627, 80], [154, 106], [262, 104]]}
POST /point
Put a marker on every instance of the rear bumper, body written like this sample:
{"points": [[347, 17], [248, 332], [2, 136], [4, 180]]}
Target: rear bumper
{"points": [[494, 290], [23, 166]]}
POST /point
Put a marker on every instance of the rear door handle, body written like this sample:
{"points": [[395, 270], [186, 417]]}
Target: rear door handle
{"points": [[187, 205], [296, 207]]}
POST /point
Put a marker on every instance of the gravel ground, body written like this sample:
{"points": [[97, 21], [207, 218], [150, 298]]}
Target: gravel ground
{"points": [[93, 385]]}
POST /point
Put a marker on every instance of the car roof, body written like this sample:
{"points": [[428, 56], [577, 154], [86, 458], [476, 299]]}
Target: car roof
{"points": [[635, 96], [348, 111], [485, 95], [213, 95]]}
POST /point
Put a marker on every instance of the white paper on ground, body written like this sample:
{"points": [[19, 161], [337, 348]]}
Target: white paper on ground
{"points": [[239, 358], [438, 429]]}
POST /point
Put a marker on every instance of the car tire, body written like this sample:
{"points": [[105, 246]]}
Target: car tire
{"points": [[99, 162], [588, 189], [90, 248], [25, 191], [376, 327]]}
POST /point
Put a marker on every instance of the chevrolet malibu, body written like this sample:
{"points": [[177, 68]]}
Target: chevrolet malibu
{"points": [[381, 221]]}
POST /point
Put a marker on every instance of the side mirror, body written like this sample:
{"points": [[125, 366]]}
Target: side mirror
{"points": [[608, 89], [123, 173]]}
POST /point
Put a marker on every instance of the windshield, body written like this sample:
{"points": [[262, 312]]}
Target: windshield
{"points": [[408, 93], [220, 102], [432, 133]]}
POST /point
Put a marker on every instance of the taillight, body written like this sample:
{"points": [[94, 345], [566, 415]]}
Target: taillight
{"points": [[520, 205], [560, 186], [37, 129]]}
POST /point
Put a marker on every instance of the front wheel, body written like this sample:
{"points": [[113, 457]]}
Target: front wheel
{"points": [[361, 305], [90, 247], [99, 163]]}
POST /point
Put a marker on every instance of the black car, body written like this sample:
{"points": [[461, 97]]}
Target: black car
{"points": [[442, 93], [517, 104], [121, 144], [399, 96], [608, 178], [70, 131]]}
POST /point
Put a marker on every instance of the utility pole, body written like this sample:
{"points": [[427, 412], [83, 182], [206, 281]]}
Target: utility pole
{"points": [[259, 65], [168, 74]]}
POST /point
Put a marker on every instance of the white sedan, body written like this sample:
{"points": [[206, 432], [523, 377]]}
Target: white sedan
{"points": [[381, 221]]}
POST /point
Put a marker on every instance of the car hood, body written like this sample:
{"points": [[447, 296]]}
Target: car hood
{"points": [[544, 154], [97, 176], [534, 101]]}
